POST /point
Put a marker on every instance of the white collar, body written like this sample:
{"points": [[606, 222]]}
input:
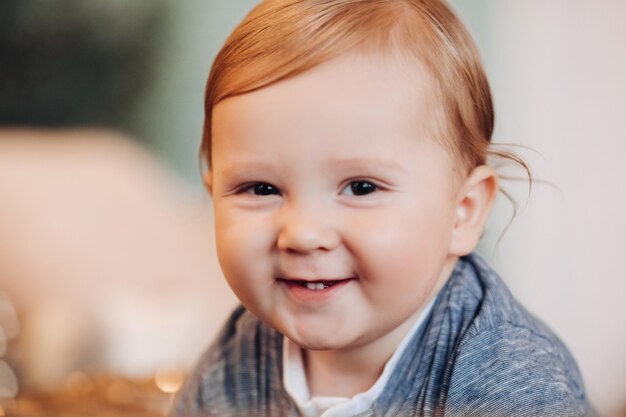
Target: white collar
{"points": [[294, 380]]}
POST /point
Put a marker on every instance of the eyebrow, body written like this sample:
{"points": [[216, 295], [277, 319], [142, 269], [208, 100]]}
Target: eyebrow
{"points": [[244, 167], [365, 162], [356, 163]]}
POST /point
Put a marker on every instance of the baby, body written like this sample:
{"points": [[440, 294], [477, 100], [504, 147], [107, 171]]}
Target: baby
{"points": [[346, 143]]}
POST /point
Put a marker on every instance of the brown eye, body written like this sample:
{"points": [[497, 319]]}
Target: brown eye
{"points": [[263, 189], [362, 187]]}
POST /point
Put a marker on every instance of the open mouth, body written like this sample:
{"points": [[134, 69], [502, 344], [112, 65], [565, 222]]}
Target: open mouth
{"points": [[314, 285], [317, 286]]}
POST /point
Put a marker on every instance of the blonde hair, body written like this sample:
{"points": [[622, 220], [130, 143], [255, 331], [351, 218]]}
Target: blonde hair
{"points": [[279, 39]]}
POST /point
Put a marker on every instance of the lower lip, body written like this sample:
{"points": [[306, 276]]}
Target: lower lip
{"points": [[302, 293]]}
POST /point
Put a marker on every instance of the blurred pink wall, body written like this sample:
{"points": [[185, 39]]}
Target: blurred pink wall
{"points": [[558, 72]]}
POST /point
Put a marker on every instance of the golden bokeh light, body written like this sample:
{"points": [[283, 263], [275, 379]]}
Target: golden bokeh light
{"points": [[169, 380]]}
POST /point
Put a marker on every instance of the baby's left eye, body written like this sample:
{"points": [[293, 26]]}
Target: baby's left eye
{"points": [[360, 187]]}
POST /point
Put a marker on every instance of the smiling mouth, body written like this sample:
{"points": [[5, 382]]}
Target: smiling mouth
{"points": [[315, 285]]}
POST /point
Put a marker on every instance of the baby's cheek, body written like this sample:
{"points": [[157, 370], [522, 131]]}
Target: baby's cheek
{"points": [[242, 249], [231, 245], [403, 251], [236, 230]]}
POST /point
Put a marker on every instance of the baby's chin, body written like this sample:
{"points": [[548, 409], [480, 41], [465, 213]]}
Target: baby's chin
{"points": [[323, 340], [316, 344]]}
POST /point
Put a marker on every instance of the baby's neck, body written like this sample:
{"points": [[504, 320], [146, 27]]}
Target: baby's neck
{"points": [[329, 377]]}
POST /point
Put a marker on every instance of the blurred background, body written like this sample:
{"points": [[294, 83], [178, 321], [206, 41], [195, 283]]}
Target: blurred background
{"points": [[109, 285]]}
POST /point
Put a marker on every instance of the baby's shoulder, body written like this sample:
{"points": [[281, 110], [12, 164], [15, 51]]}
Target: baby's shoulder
{"points": [[509, 359], [501, 321], [226, 380], [242, 343], [511, 367]]}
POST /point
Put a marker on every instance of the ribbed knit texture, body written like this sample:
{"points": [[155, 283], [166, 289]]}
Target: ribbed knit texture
{"points": [[479, 354]]}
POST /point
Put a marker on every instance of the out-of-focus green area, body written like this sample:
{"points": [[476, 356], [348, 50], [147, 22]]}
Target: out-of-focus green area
{"points": [[139, 67], [68, 63]]}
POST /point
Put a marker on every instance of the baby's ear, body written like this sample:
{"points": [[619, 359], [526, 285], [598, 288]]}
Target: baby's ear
{"points": [[476, 197], [208, 182]]}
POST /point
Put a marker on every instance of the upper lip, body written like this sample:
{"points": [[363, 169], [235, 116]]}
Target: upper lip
{"points": [[313, 279]]}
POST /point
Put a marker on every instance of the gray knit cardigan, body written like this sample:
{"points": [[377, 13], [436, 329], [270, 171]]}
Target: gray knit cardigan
{"points": [[480, 353]]}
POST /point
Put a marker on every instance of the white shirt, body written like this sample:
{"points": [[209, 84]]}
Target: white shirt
{"points": [[294, 380]]}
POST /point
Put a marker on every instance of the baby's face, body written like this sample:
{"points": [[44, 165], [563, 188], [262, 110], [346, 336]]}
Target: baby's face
{"points": [[334, 207]]}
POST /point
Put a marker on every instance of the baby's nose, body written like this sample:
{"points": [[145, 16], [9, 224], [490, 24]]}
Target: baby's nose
{"points": [[305, 231]]}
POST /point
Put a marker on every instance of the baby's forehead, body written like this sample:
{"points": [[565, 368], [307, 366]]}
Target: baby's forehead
{"points": [[338, 96], [347, 114]]}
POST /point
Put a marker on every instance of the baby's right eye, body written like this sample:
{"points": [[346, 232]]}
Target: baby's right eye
{"points": [[261, 189]]}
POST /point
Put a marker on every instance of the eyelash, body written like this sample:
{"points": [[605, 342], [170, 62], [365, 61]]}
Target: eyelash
{"points": [[354, 184], [260, 189], [355, 188]]}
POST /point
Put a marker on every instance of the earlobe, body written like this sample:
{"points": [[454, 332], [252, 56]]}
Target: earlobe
{"points": [[474, 203], [208, 182]]}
